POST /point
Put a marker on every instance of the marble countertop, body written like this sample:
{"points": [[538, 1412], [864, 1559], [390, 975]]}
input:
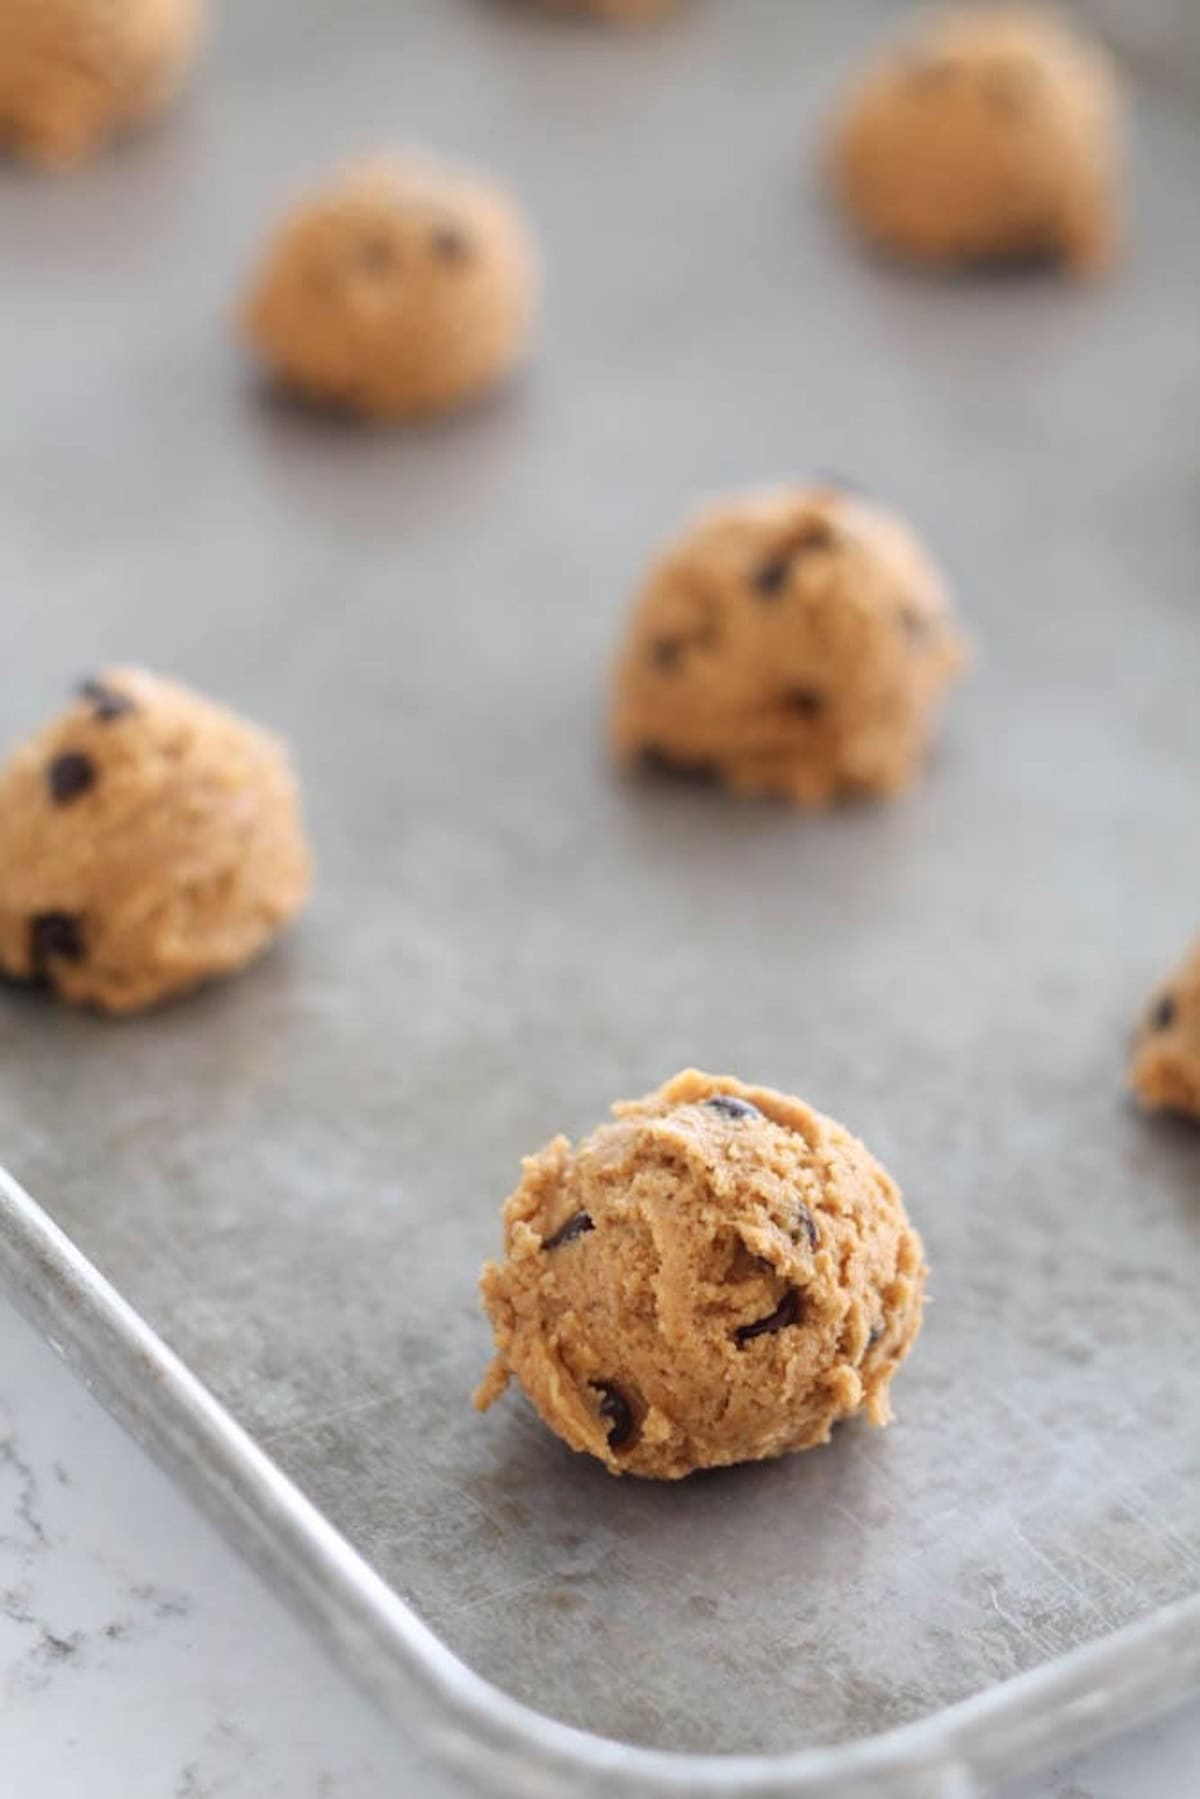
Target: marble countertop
{"points": [[140, 1659]]}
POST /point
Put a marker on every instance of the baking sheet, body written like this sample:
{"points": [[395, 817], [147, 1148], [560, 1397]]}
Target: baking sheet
{"points": [[295, 1176]]}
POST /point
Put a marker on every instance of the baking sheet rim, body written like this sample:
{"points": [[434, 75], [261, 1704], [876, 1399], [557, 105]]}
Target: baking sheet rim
{"points": [[381, 1643]]}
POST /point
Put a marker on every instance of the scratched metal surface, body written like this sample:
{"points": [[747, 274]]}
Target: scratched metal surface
{"points": [[295, 1176]]}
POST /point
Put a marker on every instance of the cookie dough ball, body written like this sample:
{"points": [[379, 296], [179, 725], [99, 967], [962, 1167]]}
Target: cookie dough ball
{"points": [[993, 135], [402, 290], [149, 840], [792, 642], [719, 1276], [74, 73], [1165, 1072]]}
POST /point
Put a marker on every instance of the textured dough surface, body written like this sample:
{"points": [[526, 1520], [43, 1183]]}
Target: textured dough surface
{"points": [[791, 642], [402, 289], [719, 1275], [74, 73], [149, 840], [991, 135], [1165, 1070]]}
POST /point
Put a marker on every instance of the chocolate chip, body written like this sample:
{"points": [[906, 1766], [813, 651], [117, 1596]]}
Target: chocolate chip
{"points": [[666, 653], [656, 761], [69, 775], [1165, 1012], [805, 702], [616, 1408], [107, 703], [876, 1336], [730, 1106], [54, 935], [786, 1313], [575, 1226], [770, 578], [450, 243], [805, 1223]]}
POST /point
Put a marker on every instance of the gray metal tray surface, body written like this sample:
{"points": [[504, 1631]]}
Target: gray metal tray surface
{"points": [[294, 1177]]}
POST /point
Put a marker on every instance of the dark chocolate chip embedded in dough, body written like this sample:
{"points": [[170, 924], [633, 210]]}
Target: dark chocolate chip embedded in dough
{"points": [[804, 702], [69, 775], [730, 1106], [666, 653], [1165, 1012], [786, 1313], [575, 1226], [54, 936], [805, 1225], [771, 577], [616, 1408], [106, 702], [814, 534]]}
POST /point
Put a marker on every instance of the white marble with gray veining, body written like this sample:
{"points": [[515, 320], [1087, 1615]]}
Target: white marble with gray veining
{"points": [[139, 1659]]}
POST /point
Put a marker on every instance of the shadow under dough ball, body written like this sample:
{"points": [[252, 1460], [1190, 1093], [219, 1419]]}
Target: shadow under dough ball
{"points": [[991, 135], [74, 73], [719, 1275], [791, 642], [149, 840], [401, 290], [1165, 1069], [615, 12]]}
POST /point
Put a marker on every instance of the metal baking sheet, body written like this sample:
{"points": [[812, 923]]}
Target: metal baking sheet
{"points": [[294, 1177]]}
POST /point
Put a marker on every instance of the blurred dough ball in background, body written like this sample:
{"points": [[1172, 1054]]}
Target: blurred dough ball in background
{"points": [[793, 642], [986, 135], [1165, 1069], [74, 73], [403, 289], [149, 840]]}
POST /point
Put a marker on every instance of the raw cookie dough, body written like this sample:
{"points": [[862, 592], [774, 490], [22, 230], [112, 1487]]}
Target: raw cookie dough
{"points": [[719, 1276], [790, 642], [403, 289], [149, 840], [76, 72], [1165, 1071], [992, 135]]}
